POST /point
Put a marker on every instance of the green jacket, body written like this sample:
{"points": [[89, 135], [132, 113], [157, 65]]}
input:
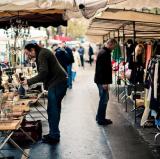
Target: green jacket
{"points": [[50, 72]]}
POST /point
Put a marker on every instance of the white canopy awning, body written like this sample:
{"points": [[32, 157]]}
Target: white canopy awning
{"points": [[129, 15], [111, 20], [137, 4], [89, 7], [48, 12], [95, 39]]}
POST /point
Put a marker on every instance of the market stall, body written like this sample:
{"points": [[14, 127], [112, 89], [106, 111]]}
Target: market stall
{"points": [[124, 24], [17, 17]]}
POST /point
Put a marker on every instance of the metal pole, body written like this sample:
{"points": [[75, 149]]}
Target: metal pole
{"points": [[6, 139], [118, 67], [18, 147], [29, 137], [115, 73], [24, 43], [66, 31], [125, 83], [134, 69], [103, 39], [109, 35]]}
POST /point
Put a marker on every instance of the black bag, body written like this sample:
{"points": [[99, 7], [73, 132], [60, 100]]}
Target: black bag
{"points": [[33, 128]]}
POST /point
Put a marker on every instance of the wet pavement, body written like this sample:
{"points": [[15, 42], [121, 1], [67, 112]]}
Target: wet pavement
{"points": [[81, 137]]}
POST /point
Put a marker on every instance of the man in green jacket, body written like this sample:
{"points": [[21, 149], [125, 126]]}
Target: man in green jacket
{"points": [[54, 77]]}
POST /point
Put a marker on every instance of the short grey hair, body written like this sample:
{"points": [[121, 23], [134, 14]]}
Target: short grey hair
{"points": [[111, 41]]}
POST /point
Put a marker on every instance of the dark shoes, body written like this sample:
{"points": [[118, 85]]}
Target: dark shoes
{"points": [[50, 140], [105, 122]]}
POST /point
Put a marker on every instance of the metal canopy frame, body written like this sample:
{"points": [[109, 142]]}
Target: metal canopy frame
{"points": [[112, 20]]}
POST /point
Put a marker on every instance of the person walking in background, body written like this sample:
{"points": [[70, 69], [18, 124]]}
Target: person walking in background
{"points": [[90, 54], [81, 54], [69, 66], [62, 56], [103, 77], [53, 48], [54, 78], [76, 63]]}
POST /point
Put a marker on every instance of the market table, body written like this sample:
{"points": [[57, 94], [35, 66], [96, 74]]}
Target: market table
{"points": [[8, 128], [9, 125], [23, 105], [35, 103]]}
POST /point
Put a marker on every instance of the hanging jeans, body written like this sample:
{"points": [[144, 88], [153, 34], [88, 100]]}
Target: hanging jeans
{"points": [[104, 97], [55, 96], [69, 71]]}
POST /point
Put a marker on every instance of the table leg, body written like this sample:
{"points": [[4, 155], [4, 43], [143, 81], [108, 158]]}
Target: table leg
{"points": [[6, 139], [41, 105], [18, 147], [40, 112], [27, 135]]}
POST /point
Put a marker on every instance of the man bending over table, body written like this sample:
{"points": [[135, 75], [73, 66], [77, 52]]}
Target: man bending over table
{"points": [[54, 77]]}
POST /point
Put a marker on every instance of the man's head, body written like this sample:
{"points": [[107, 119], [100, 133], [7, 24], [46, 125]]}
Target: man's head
{"points": [[63, 44], [54, 47], [110, 44], [31, 50]]}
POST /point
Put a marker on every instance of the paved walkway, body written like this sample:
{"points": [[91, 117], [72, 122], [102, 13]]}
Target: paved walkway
{"points": [[82, 138]]}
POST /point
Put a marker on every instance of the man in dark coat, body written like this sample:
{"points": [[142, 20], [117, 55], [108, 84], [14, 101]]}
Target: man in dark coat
{"points": [[103, 77], [69, 67], [81, 54], [62, 57], [54, 77], [90, 53]]}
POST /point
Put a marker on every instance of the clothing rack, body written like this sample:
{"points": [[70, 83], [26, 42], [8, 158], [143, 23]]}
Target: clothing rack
{"points": [[152, 80]]}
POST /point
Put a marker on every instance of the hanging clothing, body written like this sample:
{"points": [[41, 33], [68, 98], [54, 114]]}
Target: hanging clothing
{"points": [[129, 51], [156, 79], [152, 83], [116, 54], [148, 53], [137, 67]]}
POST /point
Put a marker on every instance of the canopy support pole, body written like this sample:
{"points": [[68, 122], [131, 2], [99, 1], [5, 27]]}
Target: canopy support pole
{"points": [[125, 82], [134, 69], [118, 79], [115, 73]]}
